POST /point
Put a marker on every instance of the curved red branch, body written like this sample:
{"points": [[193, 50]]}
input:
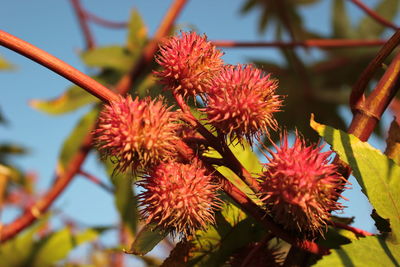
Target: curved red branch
{"points": [[350, 228], [57, 65], [374, 15], [63, 180]]}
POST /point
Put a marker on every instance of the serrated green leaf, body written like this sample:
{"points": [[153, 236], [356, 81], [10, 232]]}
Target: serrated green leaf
{"points": [[72, 99], [57, 246], [368, 251], [113, 57], [233, 230], [378, 176], [72, 143], [369, 27], [137, 32], [4, 65], [125, 199], [148, 237]]}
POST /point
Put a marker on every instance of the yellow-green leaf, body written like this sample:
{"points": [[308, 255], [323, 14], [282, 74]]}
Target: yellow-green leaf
{"points": [[378, 175]]}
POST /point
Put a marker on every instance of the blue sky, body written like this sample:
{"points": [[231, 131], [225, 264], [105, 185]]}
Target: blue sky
{"points": [[52, 26]]}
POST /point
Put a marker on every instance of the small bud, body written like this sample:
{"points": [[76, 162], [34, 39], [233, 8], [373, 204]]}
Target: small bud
{"points": [[137, 133], [300, 187], [178, 197], [242, 101], [188, 63]]}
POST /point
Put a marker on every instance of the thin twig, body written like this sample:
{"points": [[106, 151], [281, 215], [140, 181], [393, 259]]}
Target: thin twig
{"points": [[318, 43], [51, 62], [96, 181], [374, 15], [82, 18], [104, 22], [350, 228]]}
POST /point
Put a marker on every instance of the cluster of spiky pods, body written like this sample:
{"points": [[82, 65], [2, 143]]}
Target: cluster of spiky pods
{"points": [[180, 193]]}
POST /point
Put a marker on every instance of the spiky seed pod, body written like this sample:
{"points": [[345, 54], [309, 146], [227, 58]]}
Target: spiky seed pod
{"points": [[300, 187], [242, 101], [137, 133], [188, 63], [179, 198]]}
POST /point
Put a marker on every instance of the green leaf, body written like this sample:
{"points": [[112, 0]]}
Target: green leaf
{"points": [[232, 231], [378, 176], [4, 65], [342, 27], [248, 159], [72, 143], [148, 237], [17, 251], [369, 27], [137, 32], [113, 57], [57, 246], [125, 199], [368, 251], [74, 98]]}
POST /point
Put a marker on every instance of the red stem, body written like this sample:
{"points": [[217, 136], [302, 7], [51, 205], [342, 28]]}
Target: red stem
{"points": [[374, 15], [83, 22], [57, 65], [321, 43], [350, 228], [370, 112], [357, 94], [104, 22], [96, 181]]}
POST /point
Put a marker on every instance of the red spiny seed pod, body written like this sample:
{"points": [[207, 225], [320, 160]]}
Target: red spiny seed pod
{"points": [[137, 133], [179, 198], [300, 187], [242, 101], [188, 63]]}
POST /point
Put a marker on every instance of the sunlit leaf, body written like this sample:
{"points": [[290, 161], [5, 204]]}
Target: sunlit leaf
{"points": [[57, 246], [18, 251], [147, 238], [75, 139], [368, 251], [75, 97], [113, 57], [378, 176], [137, 31]]}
